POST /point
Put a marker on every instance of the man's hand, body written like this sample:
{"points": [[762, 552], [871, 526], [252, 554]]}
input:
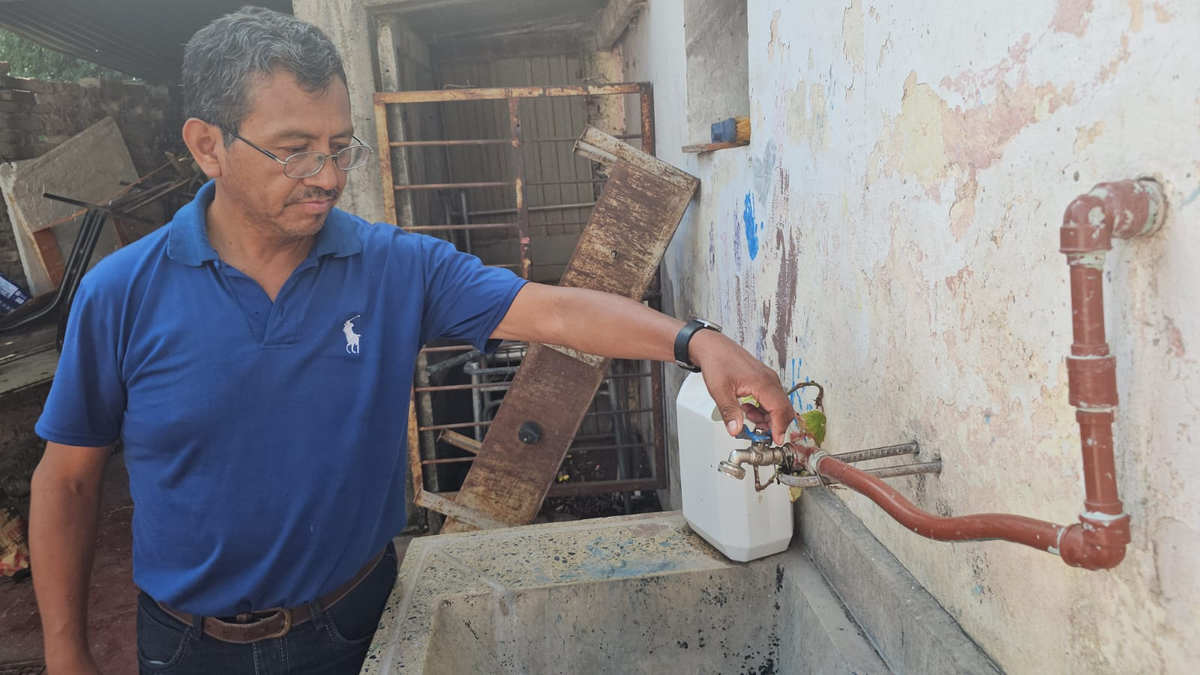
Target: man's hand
{"points": [[731, 373]]}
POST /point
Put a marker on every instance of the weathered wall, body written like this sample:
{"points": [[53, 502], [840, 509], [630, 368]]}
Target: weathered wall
{"points": [[892, 232]]}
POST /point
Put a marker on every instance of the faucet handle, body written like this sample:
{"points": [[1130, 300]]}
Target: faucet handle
{"points": [[754, 435]]}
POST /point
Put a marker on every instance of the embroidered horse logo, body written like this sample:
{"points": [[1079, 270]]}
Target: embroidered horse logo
{"points": [[351, 336]]}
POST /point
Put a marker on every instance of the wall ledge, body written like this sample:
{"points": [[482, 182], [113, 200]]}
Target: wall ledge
{"points": [[909, 628]]}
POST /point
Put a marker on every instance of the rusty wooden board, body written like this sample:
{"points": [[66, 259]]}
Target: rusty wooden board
{"points": [[619, 251]]}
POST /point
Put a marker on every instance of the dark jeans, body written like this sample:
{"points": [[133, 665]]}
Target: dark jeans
{"points": [[333, 642]]}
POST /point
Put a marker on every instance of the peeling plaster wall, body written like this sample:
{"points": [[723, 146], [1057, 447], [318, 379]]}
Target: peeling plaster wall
{"points": [[892, 232]]}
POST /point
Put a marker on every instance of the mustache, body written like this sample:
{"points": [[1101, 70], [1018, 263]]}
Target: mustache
{"points": [[316, 194]]}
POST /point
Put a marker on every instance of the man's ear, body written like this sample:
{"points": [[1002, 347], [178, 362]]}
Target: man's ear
{"points": [[206, 142]]}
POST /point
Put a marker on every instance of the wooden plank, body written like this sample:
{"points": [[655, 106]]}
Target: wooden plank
{"points": [[460, 441], [600, 147], [620, 251], [50, 256], [509, 478], [630, 227], [475, 520], [710, 147]]}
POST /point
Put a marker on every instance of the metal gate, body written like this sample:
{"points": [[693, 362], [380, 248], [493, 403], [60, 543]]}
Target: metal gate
{"points": [[622, 435]]}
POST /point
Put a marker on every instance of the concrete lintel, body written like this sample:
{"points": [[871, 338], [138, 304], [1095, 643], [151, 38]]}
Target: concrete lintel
{"points": [[910, 629], [614, 19]]}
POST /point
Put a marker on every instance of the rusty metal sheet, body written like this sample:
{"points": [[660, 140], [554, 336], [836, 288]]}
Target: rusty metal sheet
{"points": [[619, 251]]}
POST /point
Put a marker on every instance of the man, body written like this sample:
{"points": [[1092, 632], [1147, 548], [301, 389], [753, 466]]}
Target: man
{"points": [[255, 356]]}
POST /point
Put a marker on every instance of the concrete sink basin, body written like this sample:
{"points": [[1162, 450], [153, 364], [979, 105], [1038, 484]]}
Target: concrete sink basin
{"points": [[636, 594]]}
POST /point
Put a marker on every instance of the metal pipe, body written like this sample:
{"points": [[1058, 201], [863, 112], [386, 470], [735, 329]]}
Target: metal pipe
{"points": [[910, 448], [450, 348], [477, 397], [533, 209], [882, 472], [466, 217], [467, 425], [589, 487], [1035, 533], [424, 414], [445, 186], [1124, 209], [585, 181], [498, 386], [618, 423], [446, 364], [572, 139], [464, 226], [463, 445], [466, 141]]}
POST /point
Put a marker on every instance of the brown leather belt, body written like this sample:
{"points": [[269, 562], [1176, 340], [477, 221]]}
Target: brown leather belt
{"points": [[274, 623]]}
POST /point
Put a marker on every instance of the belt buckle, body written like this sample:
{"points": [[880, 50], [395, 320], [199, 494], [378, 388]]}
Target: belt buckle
{"points": [[287, 624]]}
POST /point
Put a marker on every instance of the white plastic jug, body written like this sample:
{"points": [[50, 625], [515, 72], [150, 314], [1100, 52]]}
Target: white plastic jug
{"points": [[727, 512]]}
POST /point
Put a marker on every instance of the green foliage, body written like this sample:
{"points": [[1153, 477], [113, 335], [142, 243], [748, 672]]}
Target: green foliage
{"points": [[814, 423], [29, 59]]}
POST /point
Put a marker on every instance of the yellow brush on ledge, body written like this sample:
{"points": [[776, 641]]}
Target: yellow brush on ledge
{"points": [[732, 130], [730, 133]]}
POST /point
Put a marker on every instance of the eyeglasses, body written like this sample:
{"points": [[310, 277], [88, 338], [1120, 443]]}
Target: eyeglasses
{"points": [[305, 164]]}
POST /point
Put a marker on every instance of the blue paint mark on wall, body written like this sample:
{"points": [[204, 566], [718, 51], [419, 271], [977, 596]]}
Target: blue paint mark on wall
{"points": [[795, 398], [751, 226], [1192, 197]]}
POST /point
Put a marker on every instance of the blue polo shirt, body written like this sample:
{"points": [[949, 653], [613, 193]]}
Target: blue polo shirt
{"points": [[265, 441]]}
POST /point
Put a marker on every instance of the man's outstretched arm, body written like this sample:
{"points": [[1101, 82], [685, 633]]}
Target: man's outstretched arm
{"points": [[614, 326]]}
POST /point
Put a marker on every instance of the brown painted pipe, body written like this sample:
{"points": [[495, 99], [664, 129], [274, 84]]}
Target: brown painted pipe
{"points": [[1124, 209]]}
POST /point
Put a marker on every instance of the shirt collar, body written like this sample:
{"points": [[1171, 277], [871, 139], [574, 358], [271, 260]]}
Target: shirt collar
{"points": [[188, 242]]}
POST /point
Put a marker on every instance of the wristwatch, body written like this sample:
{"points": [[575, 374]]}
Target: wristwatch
{"points": [[685, 336]]}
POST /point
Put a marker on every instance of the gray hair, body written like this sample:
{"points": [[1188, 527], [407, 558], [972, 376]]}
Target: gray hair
{"points": [[222, 58]]}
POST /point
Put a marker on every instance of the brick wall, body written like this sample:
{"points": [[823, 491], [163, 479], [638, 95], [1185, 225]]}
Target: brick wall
{"points": [[36, 116]]}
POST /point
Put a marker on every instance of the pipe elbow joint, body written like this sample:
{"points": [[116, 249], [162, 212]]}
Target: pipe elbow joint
{"points": [[1096, 542], [1086, 227], [1124, 209]]}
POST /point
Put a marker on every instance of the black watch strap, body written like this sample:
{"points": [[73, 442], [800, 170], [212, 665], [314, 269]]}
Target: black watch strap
{"points": [[685, 337]]}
